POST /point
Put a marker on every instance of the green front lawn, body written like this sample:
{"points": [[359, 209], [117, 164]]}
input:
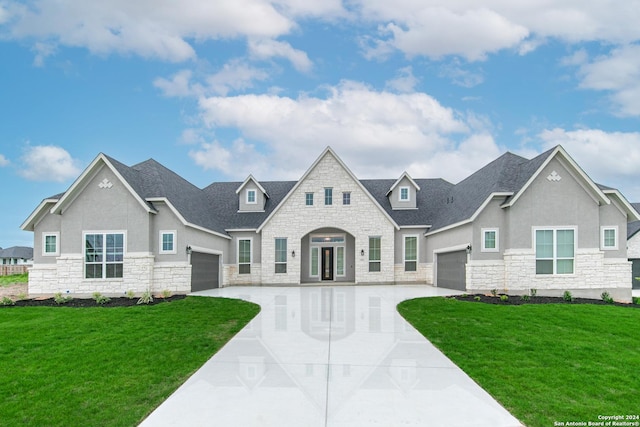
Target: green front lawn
{"points": [[544, 363], [62, 366]]}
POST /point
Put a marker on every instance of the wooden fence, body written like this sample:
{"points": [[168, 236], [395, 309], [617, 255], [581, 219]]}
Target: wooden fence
{"points": [[9, 270]]}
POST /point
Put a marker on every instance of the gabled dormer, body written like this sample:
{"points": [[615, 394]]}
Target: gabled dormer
{"points": [[403, 193], [251, 196]]}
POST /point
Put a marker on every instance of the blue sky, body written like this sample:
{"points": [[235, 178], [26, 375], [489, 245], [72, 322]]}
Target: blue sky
{"points": [[218, 90]]}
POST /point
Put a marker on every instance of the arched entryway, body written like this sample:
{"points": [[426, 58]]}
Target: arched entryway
{"points": [[328, 255]]}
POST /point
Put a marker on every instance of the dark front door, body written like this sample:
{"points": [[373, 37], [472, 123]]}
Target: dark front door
{"points": [[327, 263]]}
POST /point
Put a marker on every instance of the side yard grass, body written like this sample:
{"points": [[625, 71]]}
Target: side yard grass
{"points": [[13, 279], [545, 363], [63, 366]]}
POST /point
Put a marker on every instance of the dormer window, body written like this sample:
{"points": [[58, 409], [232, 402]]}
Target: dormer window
{"points": [[251, 196], [404, 194]]}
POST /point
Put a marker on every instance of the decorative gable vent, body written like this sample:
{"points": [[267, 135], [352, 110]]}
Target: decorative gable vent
{"points": [[105, 184], [554, 177]]}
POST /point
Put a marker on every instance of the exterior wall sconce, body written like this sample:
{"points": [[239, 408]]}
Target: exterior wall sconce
{"points": [[188, 250], [361, 252], [468, 249], [293, 254]]}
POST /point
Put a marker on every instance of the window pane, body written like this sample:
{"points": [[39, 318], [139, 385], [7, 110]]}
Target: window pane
{"points": [[565, 243], [93, 271], [489, 239], [244, 268], [281, 250], [93, 248], [340, 261], [281, 268], [374, 266], [309, 199], [167, 242], [544, 243], [565, 266], [346, 198], [328, 196], [410, 266], [411, 248], [610, 238], [374, 248], [251, 196], [544, 267], [50, 244], [244, 251], [114, 270], [314, 261], [404, 193]]}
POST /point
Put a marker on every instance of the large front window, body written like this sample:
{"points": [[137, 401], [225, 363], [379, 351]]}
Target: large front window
{"points": [[555, 251], [103, 255], [244, 256], [410, 253], [374, 254], [281, 255]]}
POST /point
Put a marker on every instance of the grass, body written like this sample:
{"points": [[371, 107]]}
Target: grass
{"points": [[13, 279], [544, 363], [106, 366]]}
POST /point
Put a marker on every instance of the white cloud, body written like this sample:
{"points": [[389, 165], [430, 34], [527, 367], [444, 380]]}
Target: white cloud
{"points": [[268, 48], [459, 75], [48, 163], [42, 50], [376, 133], [236, 75], [148, 28], [3, 161], [610, 158], [405, 81], [467, 28], [617, 73]]}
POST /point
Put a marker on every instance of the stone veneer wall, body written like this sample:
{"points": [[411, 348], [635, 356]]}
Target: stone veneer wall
{"points": [[140, 273], [362, 218], [230, 276], [419, 276], [633, 247], [594, 274]]}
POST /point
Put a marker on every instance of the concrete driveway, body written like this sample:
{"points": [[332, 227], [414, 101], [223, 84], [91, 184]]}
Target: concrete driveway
{"points": [[329, 356]]}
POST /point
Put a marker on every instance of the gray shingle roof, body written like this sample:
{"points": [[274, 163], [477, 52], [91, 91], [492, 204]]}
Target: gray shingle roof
{"points": [[21, 252], [633, 227]]}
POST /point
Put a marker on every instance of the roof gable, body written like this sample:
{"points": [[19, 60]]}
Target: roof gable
{"points": [[250, 178], [405, 174], [121, 171], [328, 152]]}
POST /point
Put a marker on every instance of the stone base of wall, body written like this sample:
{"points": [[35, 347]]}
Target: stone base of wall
{"points": [[516, 275], [230, 276], [419, 276], [140, 274]]}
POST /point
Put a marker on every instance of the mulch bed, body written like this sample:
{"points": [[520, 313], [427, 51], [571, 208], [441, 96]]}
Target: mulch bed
{"points": [[89, 302], [518, 300]]}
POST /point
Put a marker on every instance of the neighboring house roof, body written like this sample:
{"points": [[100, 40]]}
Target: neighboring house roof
{"points": [[440, 204], [19, 252]]}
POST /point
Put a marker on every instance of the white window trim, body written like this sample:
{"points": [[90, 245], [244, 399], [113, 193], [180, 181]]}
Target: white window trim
{"points": [[250, 239], [55, 234], [255, 196], [602, 231], [160, 249], [404, 251], [489, 230], [104, 270], [286, 255], [312, 199], [555, 229], [408, 199]]}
